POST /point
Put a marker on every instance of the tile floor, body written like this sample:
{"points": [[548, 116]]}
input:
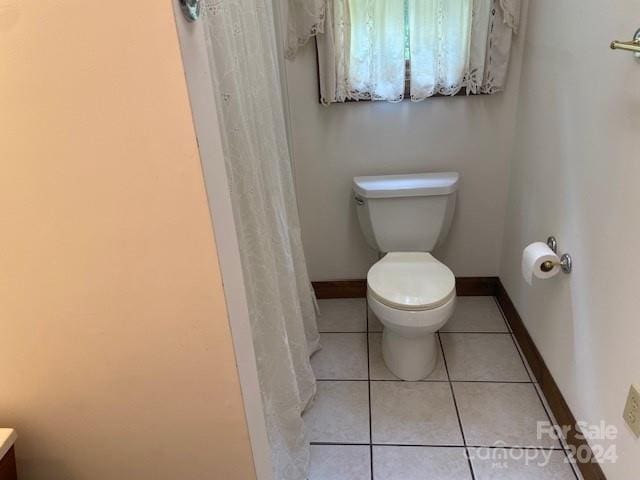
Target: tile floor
{"points": [[474, 418]]}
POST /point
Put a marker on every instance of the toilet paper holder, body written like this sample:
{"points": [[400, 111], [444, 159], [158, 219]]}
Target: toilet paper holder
{"points": [[566, 264]]}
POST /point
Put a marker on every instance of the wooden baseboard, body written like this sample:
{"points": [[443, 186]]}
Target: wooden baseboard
{"points": [[559, 406], [340, 289], [476, 286], [465, 286]]}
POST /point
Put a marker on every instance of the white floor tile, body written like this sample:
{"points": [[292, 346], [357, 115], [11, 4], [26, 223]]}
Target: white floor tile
{"points": [[340, 462], [483, 357], [423, 413], [496, 414], [546, 404], [379, 370], [343, 315], [420, 463], [554, 421], [516, 464], [340, 413], [526, 364], [414, 413], [476, 314], [374, 323], [343, 357], [576, 471], [503, 316]]}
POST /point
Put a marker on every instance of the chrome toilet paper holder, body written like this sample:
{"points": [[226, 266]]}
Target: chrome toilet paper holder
{"points": [[566, 264]]}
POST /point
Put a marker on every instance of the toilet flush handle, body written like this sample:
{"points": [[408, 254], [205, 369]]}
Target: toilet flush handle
{"points": [[359, 201]]}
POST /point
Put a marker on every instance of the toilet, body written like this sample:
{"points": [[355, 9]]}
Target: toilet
{"points": [[404, 217]]}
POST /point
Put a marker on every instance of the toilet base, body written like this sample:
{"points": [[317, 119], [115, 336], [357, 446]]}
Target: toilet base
{"points": [[410, 358]]}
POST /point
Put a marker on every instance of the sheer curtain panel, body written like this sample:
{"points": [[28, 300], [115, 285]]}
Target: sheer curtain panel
{"points": [[377, 50], [440, 33], [243, 58]]}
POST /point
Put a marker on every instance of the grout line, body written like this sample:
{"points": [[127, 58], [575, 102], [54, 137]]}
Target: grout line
{"points": [[517, 347], [341, 380], [455, 404], [515, 447], [338, 444], [458, 332], [335, 331], [426, 445], [369, 389], [544, 407], [481, 333], [420, 381], [522, 359], [522, 355], [417, 445], [525, 364], [491, 381], [551, 422], [562, 440], [504, 317]]}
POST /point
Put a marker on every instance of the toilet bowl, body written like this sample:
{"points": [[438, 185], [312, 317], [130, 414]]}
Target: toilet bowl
{"points": [[413, 296], [405, 217]]}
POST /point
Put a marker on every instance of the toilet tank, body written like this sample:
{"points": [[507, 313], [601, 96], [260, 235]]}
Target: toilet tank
{"points": [[406, 213]]}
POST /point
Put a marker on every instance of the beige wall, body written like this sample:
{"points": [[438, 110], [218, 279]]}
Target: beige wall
{"points": [[575, 174], [332, 145], [116, 358]]}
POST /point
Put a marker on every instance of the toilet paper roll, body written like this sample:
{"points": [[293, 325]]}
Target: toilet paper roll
{"points": [[532, 259]]}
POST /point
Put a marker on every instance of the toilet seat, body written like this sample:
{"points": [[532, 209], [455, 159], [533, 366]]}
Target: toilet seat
{"points": [[412, 281]]}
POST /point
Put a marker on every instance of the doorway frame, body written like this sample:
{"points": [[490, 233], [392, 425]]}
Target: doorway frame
{"points": [[202, 98]]}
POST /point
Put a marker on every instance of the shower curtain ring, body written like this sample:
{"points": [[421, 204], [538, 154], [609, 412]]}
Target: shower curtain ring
{"points": [[191, 9]]}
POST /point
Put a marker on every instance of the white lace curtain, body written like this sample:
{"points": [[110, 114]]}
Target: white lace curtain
{"points": [[244, 62], [365, 45]]}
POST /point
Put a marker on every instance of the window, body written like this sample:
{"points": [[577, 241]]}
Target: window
{"points": [[386, 49], [422, 44]]}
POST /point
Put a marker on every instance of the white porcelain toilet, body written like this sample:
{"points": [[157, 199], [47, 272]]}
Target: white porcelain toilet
{"points": [[413, 294]]}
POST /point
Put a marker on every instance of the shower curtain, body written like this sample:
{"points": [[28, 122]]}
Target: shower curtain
{"points": [[244, 62]]}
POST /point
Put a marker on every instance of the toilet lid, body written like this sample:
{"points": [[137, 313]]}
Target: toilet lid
{"points": [[411, 281]]}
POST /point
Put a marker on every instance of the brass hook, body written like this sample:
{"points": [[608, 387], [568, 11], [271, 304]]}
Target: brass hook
{"points": [[632, 46]]}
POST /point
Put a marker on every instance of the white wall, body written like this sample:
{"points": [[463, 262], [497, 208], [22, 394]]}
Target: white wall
{"points": [[575, 174], [333, 144]]}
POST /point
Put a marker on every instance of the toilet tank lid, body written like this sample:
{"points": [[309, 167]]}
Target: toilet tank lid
{"points": [[413, 185]]}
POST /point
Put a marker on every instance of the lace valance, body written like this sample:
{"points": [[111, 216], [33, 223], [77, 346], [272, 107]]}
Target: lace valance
{"points": [[306, 19], [511, 12]]}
